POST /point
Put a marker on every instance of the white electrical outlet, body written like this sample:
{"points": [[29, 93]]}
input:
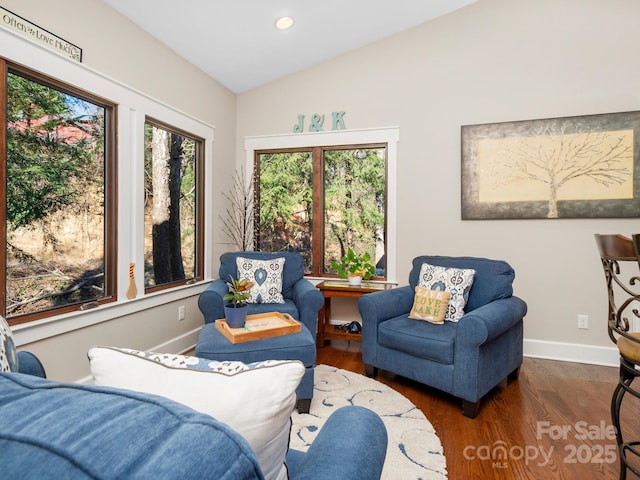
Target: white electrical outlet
{"points": [[583, 321], [181, 312]]}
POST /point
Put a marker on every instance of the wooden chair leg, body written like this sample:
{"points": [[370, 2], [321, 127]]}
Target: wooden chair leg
{"points": [[304, 405], [470, 409], [514, 375], [370, 371]]}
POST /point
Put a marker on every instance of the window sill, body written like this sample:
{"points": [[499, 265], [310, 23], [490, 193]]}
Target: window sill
{"points": [[26, 333]]}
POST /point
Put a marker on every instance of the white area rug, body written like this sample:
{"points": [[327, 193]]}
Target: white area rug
{"points": [[414, 450]]}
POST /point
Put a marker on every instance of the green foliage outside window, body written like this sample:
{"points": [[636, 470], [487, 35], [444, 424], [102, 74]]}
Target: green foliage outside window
{"points": [[351, 202], [354, 198], [54, 198], [285, 206], [46, 170]]}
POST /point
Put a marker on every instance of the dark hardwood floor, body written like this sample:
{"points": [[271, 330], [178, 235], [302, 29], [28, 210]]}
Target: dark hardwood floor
{"points": [[552, 423]]}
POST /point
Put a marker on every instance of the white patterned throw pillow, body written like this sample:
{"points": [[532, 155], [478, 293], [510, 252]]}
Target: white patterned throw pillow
{"points": [[266, 276], [256, 399], [8, 353], [457, 281]]}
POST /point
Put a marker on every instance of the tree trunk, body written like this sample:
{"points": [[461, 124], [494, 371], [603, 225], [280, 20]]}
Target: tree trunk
{"points": [[553, 201], [174, 232], [160, 208]]}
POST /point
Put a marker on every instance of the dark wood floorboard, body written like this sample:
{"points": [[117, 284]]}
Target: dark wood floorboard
{"points": [[553, 422]]}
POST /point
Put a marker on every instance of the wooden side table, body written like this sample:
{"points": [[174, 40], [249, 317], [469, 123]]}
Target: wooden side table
{"points": [[341, 288]]}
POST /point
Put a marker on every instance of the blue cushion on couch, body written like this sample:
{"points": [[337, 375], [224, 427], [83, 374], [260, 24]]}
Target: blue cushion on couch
{"points": [[420, 339], [78, 431]]}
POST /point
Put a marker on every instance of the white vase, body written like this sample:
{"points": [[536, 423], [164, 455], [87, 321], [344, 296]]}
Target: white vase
{"points": [[355, 280]]}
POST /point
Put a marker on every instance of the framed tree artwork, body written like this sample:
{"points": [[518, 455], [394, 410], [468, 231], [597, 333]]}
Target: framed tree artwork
{"points": [[569, 167]]}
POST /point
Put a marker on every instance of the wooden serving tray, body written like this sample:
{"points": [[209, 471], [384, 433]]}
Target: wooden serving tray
{"points": [[258, 326]]}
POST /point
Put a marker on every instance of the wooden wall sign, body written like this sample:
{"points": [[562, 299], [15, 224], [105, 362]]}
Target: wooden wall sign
{"points": [[17, 24]]}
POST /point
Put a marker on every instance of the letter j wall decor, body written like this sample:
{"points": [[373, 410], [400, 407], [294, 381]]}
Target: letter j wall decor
{"points": [[569, 167]]}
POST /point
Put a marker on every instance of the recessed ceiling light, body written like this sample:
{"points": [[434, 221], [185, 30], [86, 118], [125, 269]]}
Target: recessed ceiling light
{"points": [[284, 22]]}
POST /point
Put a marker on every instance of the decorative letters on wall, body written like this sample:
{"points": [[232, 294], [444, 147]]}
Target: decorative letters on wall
{"points": [[317, 122]]}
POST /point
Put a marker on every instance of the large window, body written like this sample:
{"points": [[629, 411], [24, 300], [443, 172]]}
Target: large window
{"points": [[321, 201], [172, 207], [58, 162], [78, 244]]}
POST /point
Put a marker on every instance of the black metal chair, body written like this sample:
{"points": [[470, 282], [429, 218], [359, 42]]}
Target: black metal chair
{"points": [[620, 257]]}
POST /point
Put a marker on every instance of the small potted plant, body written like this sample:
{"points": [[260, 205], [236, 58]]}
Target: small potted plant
{"points": [[236, 310], [354, 267]]}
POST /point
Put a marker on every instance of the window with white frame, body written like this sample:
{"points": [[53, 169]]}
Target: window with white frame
{"points": [[73, 156], [59, 200], [321, 198]]}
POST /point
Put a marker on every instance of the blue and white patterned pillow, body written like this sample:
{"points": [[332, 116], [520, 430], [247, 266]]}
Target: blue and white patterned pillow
{"points": [[457, 281], [8, 353], [266, 276], [195, 363]]}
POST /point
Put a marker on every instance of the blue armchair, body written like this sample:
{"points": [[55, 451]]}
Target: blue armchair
{"points": [[302, 301], [29, 364], [466, 358]]}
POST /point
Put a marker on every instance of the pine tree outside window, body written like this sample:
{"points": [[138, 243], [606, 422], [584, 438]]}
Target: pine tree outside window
{"points": [[321, 201]]}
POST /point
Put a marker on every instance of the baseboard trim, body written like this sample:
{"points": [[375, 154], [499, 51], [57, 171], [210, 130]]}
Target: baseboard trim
{"points": [[572, 352], [180, 344], [183, 343], [561, 351]]}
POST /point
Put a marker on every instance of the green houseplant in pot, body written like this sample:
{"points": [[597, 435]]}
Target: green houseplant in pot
{"points": [[354, 267], [236, 310]]}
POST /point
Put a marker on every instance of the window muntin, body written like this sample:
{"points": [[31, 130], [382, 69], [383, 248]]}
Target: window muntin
{"points": [[321, 201], [172, 206], [59, 167]]}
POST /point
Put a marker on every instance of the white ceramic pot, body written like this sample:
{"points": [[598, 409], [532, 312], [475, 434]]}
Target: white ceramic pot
{"points": [[355, 280]]}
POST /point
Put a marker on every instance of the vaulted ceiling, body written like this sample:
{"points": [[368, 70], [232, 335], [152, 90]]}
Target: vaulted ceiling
{"points": [[236, 42]]}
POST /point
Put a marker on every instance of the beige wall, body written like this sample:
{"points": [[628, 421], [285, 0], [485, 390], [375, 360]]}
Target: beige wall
{"points": [[496, 60], [493, 61], [115, 47]]}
